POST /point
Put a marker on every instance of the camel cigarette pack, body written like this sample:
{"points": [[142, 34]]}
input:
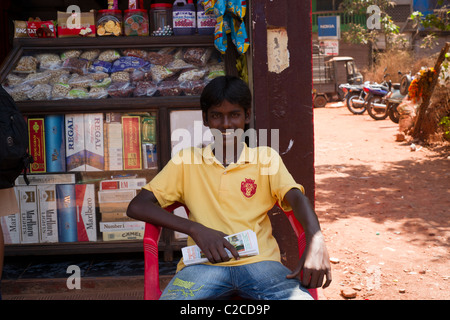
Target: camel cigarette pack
{"points": [[48, 213], [75, 151], [28, 204], [93, 141], [123, 235], [36, 132], [86, 219]]}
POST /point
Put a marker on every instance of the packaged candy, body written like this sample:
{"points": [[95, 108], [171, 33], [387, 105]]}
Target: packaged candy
{"points": [[136, 22], [208, 5], [128, 63], [100, 66]]}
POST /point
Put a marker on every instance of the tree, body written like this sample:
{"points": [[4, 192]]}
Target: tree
{"points": [[359, 34]]}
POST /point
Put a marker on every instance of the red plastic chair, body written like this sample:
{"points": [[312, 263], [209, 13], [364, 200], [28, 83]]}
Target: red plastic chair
{"points": [[152, 290]]}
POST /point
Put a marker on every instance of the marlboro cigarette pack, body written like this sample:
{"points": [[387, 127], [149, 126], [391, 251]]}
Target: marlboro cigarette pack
{"points": [[131, 130], [86, 219], [28, 203], [36, 132], [48, 214], [75, 151], [93, 141]]}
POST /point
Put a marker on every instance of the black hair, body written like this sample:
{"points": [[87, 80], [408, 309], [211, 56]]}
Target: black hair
{"points": [[229, 88]]}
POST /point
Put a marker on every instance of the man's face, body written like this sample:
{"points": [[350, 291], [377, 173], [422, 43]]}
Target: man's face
{"points": [[226, 118]]}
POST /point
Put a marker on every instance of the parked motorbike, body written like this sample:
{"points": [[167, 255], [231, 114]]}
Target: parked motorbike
{"points": [[384, 100], [351, 93]]}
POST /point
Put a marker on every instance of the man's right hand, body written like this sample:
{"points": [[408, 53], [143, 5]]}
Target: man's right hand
{"points": [[212, 243]]}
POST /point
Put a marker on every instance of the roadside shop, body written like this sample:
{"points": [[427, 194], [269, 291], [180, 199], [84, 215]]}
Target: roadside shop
{"points": [[104, 90]]}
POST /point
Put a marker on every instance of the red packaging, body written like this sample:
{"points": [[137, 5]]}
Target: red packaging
{"points": [[41, 29], [37, 144]]}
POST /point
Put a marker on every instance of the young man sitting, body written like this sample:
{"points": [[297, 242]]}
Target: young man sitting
{"points": [[228, 188]]}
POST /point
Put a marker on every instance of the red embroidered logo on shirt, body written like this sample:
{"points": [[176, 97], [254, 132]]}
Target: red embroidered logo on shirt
{"points": [[248, 187]]}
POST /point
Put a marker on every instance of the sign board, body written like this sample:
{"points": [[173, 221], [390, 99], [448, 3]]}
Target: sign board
{"points": [[329, 27], [329, 47]]}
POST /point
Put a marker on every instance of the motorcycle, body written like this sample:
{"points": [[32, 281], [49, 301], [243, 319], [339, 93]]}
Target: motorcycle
{"points": [[351, 93], [384, 100]]}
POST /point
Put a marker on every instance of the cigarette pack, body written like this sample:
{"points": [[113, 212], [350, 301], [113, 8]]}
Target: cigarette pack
{"points": [[75, 151], [55, 146], [37, 179], [67, 212], [48, 214], [37, 144], [149, 156], [137, 183], [11, 225], [86, 219], [121, 226], [123, 235], [93, 141], [28, 203], [113, 149], [115, 216], [113, 196], [131, 130]]}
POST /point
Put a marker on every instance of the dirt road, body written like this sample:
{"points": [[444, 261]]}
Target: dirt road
{"points": [[384, 209]]}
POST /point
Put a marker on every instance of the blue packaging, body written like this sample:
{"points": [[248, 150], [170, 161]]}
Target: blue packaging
{"points": [[55, 146], [67, 212], [183, 18]]}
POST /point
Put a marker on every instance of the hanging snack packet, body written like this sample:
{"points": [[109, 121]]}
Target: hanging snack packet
{"points": [[220, 36], [237, 7], [208, 5], [239, 36], [219, 7]]}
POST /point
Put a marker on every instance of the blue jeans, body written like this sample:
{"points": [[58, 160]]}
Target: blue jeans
{"points": [[257, 281]]}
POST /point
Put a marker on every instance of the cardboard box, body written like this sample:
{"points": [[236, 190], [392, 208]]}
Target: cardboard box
{"points": [[36, 144], [123, 235], [55, 143], [11, 225], [67, 212], [48, 213], [81, 25], [86, 218], [121, 226], [131, 131], [29, 221], [115, 216], [37, 179], [113, 147], [93, 141], [75, 151], [137, 183]]}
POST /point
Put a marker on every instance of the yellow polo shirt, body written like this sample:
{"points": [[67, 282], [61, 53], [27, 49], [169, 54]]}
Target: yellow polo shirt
{"points": [[231, 199]]}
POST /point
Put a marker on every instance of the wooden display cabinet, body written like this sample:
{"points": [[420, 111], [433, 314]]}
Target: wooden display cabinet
{"points": [[161, 106]]}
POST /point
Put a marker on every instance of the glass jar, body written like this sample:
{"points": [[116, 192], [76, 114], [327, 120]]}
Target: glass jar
{"points": [[161, 19], [135, 22], [109, 22]]}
